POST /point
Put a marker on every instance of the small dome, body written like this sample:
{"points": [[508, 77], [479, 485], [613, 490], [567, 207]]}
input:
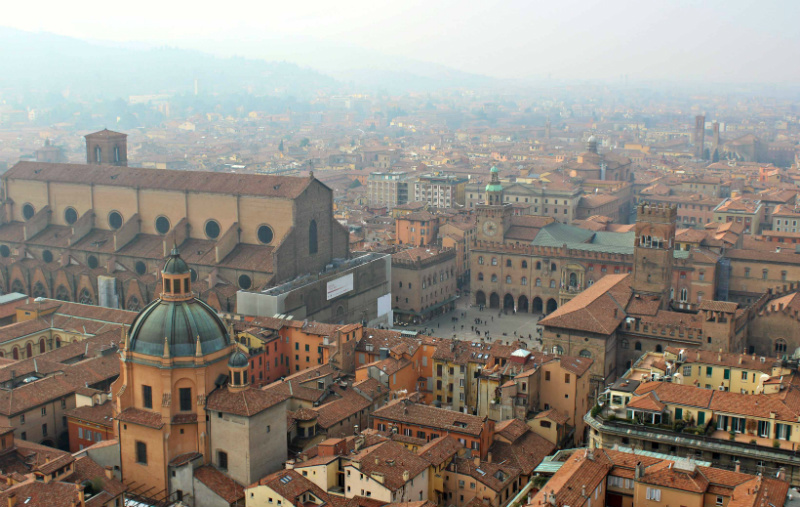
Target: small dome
{"points": [[175, 265], [494, 187], [181, 323], [238, 359], [493, 169]]}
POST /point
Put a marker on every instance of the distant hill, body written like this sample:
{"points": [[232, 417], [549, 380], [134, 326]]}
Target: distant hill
{"points": [[44, 63]]}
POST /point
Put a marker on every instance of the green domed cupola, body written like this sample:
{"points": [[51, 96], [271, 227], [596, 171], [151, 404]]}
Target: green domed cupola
{"points": [[177, 324], [494, 190]]}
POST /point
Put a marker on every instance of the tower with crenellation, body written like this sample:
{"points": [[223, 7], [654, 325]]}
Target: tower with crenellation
{"points": [[653, 251]]}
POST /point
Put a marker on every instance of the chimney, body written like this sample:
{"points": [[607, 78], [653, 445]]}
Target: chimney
{"points": [[782, 474], [377, 461], [737, 466], [551, 498], [109, 472], [583, 490], [12, 500], [639, 471], [489, 457], [290, 465], [477, 460], [406, 476]]}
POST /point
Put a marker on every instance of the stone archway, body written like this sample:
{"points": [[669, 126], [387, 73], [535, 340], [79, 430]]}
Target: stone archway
{"points": [[522, 304], [508, 302], [552, 305], [480, 298], [536, 305], [494, 300]]}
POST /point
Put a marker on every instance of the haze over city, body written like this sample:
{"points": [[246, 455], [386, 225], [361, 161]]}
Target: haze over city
{"points": [[738, 41], [400, 254]]}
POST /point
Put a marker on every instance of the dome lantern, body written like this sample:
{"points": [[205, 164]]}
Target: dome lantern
{"points": [[177, 278], [237, 365]]}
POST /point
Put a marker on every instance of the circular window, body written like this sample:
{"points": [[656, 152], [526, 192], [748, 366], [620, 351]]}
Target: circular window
{"points": [[245, 282], [115, 220], [28, 211], [70, 216], [212, 229], [92, 262], [193, 274], [265, 234], [141, 267], [162, 225], [5, 251], [47, 256]]}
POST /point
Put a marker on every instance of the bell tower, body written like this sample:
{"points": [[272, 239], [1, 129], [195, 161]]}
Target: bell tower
{"points": [[494, 216], [653, 251], [107, 148]]}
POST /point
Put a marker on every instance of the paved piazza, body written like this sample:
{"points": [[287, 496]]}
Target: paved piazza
{"points": [[499, 325]]}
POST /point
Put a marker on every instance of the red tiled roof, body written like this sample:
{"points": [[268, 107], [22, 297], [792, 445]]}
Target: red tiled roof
{"points": [[225, 487], [598, 309], [424, 415], [244, 402], [141, 417], [182, 181]]}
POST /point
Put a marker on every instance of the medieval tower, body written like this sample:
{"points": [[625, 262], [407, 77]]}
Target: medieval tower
{"points": [[653, 251]]}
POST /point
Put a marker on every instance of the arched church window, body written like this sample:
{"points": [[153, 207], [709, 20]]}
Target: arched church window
{"points": [[133, 304], [17, 286], [85, 297], [62, 293], [39, 291]]}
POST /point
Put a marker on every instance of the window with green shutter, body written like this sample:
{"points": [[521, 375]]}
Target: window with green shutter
{"points": [[727, 374], [678, 414], [701, 418], [709, 370]]}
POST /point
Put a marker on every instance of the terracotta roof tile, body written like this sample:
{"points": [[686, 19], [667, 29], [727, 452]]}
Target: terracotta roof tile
{"points": [[244, 402], [190, 181], [439, 450], [599, 309], [225, 487], [141, 417], [424, 415]]}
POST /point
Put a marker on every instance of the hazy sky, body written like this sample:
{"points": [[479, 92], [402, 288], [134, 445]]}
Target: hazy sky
{"points": [[731, 41]]}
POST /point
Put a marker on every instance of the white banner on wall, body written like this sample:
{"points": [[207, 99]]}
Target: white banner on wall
{"points": [[384, 304], [340, 286]]}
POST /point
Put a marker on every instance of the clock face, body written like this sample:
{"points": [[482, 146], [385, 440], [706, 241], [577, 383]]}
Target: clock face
{"points": [[489, 228]]}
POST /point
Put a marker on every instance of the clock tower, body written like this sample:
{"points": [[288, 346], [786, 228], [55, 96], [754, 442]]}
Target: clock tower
{"points": [[494, 216]]}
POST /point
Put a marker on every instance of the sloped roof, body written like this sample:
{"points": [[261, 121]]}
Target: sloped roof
{"points": [[159, 179], [598, 309]]}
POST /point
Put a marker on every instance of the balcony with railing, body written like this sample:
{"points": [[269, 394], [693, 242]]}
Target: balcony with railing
{"points": [[703, 437]]}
